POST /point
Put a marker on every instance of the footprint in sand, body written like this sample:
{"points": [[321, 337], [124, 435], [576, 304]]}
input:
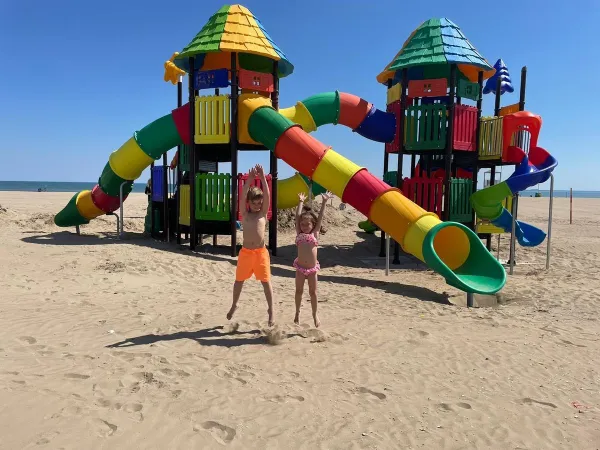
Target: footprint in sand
{"points": [[46, 438], [221, 433], [446, 407], [76, 376], [30, 340], [284, 398], [530, 401], [464, 405], [571, 343], [103, 428], [364, 390]]}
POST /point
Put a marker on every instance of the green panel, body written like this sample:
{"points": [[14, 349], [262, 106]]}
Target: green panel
{"points": [[69, 216], [324, 108], [461, 190], [158, 221], [266, 125], [391, 178], [158, 137], [184, 158], [469, 90], [481, 273], [317, 189], [426, 128], [110, 182], [213, 200]]}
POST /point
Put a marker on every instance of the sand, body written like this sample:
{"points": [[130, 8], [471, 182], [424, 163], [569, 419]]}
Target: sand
{"points": [[108, 343]]}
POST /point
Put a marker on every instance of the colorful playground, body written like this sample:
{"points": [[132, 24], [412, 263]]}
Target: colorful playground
{"points": [[435, 89]]}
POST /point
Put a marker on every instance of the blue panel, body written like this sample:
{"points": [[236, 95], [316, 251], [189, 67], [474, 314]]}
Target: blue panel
{"points": [[211, 79], [157, 183], [378, 126]]}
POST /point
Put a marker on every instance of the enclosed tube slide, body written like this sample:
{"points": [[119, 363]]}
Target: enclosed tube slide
{"points": [[450, 249]]}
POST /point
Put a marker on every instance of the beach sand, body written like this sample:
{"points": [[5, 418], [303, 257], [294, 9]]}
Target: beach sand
{"points": [[124, 344]]}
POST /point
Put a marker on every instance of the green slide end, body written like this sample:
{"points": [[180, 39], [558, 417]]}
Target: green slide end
{"points": [[367, 226], [266, 125], [487, 203], [158, 137], [324, 108], [69, 216], [481, 273]]}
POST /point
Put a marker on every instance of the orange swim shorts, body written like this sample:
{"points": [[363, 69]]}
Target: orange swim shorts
{"points": [[255, 261]]}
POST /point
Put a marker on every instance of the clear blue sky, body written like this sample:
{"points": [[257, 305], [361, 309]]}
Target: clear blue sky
{"points": [[78, 77]]}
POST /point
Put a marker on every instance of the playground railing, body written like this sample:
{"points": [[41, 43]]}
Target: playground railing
{"points": [[212, 119], [213, 201], [490, 140]]}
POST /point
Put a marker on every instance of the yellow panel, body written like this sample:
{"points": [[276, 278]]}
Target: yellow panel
{"points": [[288, 190], [393, 94], [212, 119], [184, 204], [334, 171], [490, 140], [86, 206], [299, 114], [129, 161], [509, 109], [247, 104], [415, 235], [394, 213]]}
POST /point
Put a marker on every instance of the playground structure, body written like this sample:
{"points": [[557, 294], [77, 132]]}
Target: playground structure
{"points": [[233, 51]]}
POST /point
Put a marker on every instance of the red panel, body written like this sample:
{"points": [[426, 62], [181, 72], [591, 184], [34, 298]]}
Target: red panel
{"points": [[242, 179], [394, 146], [425, 192], [256, 81], [181, 117], [104, 201], [435, 87], [353, 110], [362, 190], [300, 150], [465, 127]]}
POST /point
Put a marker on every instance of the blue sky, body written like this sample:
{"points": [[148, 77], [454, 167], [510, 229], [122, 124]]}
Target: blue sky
{"points": [[80, 77]]}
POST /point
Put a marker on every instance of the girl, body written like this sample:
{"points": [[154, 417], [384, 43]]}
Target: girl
{"points": [[308, 226]]}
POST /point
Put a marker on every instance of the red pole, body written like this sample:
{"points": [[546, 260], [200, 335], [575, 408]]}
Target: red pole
{"points": [[571, 208]]}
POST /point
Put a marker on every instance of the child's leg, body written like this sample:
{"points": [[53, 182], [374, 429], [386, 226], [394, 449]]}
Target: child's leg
{"points": [[237, 290], [269, 296], [312, 290], [299, 290]]}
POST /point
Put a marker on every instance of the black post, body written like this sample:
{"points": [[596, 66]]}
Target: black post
{"points": [[386, 162], [179, 150], [234, 152], [151, 201], [273, 168], [192, 155], [523, 85], [449, 143], [165, 183], [477, 137], [401, 148], [497, 98]]}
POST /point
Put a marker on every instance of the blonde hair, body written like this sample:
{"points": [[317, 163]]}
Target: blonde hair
{"points": [[254, 193], [308, 213]]}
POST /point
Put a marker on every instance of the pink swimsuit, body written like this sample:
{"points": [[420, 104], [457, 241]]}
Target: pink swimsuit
{"points": [[311, 239]]}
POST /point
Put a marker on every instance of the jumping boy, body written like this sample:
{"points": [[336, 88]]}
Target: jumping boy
{"points": [[254, 257]]}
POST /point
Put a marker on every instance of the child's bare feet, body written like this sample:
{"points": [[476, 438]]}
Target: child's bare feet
{"points": [[230, 313], [271, 322], [317, 321]]}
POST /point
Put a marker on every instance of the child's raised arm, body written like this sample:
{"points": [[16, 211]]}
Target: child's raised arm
{"points": [[265, 188], [302, 197], [326, 196], [244, 194]]}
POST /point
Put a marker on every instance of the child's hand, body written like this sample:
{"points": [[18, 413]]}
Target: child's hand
{"points": [[252, 172], [260, 172], [302, 197], [327, 195]]}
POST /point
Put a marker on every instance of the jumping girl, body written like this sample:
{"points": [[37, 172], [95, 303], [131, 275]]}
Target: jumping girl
{"points": [[308, 226]]}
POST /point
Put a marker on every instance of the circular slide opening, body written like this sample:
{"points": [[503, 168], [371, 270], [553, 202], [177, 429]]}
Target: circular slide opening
{"points": [[451, 244]]}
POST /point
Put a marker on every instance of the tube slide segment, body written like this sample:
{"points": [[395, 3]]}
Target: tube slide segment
{"points": [[533, 169], [449, 248]]}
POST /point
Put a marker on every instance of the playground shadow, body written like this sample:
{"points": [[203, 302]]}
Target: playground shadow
{"points": [[329, 256], [206, 337]]}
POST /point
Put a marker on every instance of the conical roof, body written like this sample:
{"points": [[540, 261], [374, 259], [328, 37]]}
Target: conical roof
{"points": [[438, 42], [233, 28]]}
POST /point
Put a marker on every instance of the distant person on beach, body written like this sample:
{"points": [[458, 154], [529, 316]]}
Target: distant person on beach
{"points": [[308, 228], [148, 219], [254, 257]]}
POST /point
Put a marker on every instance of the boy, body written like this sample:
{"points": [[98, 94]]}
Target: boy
{"points": [[254, 257]]}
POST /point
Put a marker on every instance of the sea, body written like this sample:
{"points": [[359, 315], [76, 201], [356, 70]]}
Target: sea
{"points": [[60, 186]]}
